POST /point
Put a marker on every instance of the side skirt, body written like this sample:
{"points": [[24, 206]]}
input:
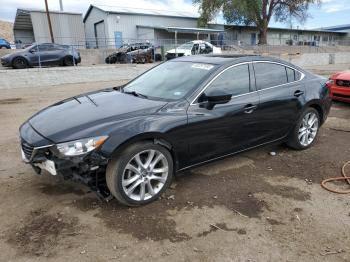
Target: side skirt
{"points": [[283, 139]]}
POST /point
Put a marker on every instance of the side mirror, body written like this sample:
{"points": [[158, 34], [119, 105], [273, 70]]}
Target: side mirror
{"points": [[209, 101], [32, 51]]}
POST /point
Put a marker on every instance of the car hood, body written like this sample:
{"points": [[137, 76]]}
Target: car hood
{"points": [[12, 55], [179, 51], [345, 75], [90, 114]]}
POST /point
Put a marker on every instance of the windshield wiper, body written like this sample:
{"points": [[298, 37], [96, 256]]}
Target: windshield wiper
{"points": [[134, 93]]}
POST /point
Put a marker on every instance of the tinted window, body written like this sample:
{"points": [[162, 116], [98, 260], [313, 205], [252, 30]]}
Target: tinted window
{"points": [[290, 74], [234, 81], [55, 47], [269, 75], [41, 48], [297, 75]]}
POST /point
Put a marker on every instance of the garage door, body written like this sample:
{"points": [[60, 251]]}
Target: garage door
{"points": [[100, 34]]}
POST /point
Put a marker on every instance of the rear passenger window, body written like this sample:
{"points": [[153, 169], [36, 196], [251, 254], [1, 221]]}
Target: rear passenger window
{"points": [[290, 74], [234, 81], [269, 75]]}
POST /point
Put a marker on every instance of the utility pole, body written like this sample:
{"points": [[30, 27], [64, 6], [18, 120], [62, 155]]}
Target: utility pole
{"points": [[61, 5], [49, 21]]}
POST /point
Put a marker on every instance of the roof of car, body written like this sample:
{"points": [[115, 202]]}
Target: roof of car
{"points": [[221, 59]]}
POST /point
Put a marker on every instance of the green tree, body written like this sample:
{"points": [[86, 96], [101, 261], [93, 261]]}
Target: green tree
{"points": [[254, 12]]}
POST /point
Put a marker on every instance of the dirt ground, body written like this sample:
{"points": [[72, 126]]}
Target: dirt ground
{"points": [[250, 207]]}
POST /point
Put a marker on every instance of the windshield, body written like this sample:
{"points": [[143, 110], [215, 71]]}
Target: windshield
{"points": [[187, 46], [170, 80]]}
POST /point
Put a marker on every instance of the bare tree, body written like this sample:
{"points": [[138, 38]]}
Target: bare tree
{"points": [[254, 12]]}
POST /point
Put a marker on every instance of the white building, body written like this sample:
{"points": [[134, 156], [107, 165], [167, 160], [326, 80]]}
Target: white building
{"points": [[112, 26], [31, 25]]}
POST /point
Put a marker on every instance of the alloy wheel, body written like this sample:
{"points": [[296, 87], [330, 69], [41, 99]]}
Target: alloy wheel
{"points": [[145, 175], [308, 129]]}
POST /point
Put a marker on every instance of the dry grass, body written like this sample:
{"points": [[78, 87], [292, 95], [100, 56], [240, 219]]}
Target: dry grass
{"points": [[6, 30]]}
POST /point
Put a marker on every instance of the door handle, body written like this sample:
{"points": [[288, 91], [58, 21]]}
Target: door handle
{"points": [[298, 93], [248, 109]]}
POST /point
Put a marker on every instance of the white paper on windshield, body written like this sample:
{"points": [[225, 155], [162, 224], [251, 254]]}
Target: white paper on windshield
{"points": [[203, 66]]}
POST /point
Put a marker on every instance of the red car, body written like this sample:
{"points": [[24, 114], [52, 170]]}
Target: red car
{"points": [[340, 86]]}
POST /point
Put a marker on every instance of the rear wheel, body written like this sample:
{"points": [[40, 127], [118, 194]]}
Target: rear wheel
{"points": [[306, 130], [19, 63], [140, 173], [68, 61]]}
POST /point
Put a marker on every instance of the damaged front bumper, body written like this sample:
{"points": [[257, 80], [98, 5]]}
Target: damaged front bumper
{"points": [[88, 169]]}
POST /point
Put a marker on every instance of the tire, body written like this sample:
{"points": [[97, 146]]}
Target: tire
{"points": [[19, 63], [301, 142], [1, 47], [68, 61], [158, 57], [124, 167]]}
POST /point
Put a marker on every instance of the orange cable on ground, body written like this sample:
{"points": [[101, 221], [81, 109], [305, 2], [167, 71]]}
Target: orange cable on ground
{"points": [[344, 177]]}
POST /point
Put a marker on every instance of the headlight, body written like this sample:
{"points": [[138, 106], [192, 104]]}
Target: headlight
{"points": [[81, 147]]}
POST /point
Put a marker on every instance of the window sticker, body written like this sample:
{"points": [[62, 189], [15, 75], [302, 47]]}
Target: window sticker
{"points": [[177, 93], [203, 66]]}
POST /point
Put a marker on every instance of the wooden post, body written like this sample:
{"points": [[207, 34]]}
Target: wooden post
{"points": [[49, 21]]}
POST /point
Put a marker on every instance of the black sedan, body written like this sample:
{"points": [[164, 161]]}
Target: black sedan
{"points": [[129, 142], [42, 55]]}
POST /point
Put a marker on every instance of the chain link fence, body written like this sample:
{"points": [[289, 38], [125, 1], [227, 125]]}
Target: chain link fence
{"points": [[107, 50]]}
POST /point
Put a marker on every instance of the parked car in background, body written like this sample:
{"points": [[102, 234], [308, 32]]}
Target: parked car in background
{"points": [[193, 48], [142, 52], [129, 142], [339, 84], [42, 54], [4, 44]]}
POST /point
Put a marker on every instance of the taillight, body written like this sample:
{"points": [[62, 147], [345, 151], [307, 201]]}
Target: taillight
{"points": [[330, 83]]}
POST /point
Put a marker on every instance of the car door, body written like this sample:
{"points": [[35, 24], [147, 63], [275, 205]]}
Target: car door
{"points": [[38, 55], [281, 94], [225, 128], [53, 54]]}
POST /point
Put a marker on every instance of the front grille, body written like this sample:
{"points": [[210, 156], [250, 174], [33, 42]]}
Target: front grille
{"points": [[27, 149], [345, 83]]}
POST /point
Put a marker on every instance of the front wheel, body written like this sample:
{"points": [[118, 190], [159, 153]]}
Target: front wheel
{"points": [[19, 63], [306, 130], [139, 174]]}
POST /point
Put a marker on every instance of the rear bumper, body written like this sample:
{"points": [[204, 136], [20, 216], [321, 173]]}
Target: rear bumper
{"points": [[340, 93]]}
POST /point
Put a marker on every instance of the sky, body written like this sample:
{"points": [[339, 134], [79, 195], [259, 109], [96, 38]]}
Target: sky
{"points": [[330, 13]]}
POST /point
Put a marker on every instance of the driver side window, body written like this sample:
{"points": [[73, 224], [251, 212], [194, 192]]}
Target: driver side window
{"points": [[234, 81]]}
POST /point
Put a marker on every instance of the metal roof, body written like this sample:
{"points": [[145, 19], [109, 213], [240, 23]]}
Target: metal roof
{"points": [[337, 28], [23, 19], [184, 29], [44, 11], [141, 11], [321, 30], [194, 30]]}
